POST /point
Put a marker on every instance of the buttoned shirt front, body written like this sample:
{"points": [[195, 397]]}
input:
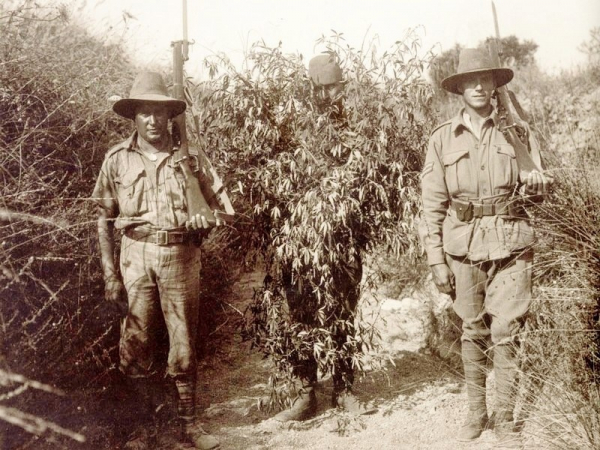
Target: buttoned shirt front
{"points": [[138, 191], [481, 169]]}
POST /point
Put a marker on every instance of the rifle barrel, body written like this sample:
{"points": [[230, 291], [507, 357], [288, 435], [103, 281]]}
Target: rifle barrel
{"points": [[178, 91]]}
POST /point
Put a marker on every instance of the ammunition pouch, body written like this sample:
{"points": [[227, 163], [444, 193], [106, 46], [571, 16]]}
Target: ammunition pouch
{"points": [[463, 209], [466, 210]]}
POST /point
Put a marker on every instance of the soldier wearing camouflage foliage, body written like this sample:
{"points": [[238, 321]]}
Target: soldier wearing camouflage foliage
{"points": [[328, 87]]}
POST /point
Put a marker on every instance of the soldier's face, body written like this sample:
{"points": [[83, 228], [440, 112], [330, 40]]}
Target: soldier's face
{"points": [[152, 121], [331, 92], [477, 91]]}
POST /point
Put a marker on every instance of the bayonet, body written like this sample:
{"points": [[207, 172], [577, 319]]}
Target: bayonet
{"points": [[205, 192], [507, 123]]}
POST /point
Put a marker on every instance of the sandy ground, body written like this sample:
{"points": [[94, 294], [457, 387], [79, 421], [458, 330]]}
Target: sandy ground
{"points": [[421, 399]]}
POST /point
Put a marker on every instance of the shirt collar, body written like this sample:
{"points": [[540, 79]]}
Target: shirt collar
{"points": [[458, 120], [131, 141]]}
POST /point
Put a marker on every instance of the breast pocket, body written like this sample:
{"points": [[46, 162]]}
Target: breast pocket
{"points": [[457, 170], [175, 184], [505, 170], [132, 191]]}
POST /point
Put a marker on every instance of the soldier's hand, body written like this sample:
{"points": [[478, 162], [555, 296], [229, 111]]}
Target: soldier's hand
{"points": [[537, 183], [114, 293], [199, 222], [443, 278]]}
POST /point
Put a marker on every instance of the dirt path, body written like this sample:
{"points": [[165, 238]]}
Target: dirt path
{"points": [[421, 401]]}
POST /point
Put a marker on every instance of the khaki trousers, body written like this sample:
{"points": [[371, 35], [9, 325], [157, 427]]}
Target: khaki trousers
{"points": [[159, 280], [492, 297]]}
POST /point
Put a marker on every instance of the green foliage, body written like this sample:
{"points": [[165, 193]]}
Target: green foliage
{"points": [[562, 339], [592, 47], [316, 188]]}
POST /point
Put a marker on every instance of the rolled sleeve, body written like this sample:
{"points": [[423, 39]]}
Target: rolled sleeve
{"points": [[104, 192]]}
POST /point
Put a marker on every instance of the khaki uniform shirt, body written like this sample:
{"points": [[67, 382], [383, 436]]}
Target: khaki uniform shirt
{"points": [[141, 192], [483, 170]]}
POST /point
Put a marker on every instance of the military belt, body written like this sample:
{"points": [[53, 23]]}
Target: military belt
{"points": [[466, 210], [163, 237]]}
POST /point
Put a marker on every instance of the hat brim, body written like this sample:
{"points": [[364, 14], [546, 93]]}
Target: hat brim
{"points": [[502, 75], [126, 107]]}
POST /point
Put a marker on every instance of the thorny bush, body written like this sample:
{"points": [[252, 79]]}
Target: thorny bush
{"points": [[314, 189], [306, 191], [55, 125]]}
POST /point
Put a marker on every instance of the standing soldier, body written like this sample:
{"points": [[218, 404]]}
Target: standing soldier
{"points": [[478, 238], [326, 77], [141, 193]]}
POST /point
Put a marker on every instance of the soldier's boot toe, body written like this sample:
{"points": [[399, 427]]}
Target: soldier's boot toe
{"points": [[196, 435], [476, 423], [304, 407], [504, 430], [351, 404]]}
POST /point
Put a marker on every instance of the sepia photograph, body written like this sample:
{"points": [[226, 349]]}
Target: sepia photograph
{"points": [[283, 225]]}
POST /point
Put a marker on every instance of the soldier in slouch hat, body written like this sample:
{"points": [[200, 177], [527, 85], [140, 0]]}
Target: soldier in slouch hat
{"points": [[477, 235], [141, 193]]}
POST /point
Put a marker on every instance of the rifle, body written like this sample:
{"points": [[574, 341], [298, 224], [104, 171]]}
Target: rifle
{"points": [[204, 191], [512, 130]]}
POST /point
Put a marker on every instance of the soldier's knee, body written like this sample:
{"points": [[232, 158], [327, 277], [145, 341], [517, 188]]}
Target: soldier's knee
{"points": [[182, 362], [505, 331]]}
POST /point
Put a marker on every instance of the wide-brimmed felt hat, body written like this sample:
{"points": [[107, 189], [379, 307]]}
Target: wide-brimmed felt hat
{"points": [[148, 87], [475, 61], [324, 70]]}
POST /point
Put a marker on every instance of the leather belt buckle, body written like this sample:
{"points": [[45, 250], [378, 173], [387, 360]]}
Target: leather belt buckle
{"points": [[162, 237]]}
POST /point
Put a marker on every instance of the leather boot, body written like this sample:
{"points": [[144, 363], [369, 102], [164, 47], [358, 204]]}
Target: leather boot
{"points": [[505, 368], [304, 406], [195, 434], [474, 425], [350, 403], [505, 433], [342, 397], [474, 363], [192, 431]]}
